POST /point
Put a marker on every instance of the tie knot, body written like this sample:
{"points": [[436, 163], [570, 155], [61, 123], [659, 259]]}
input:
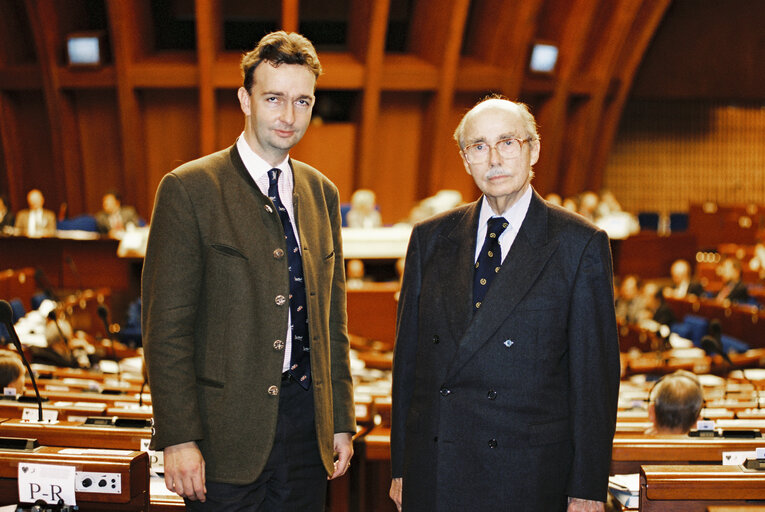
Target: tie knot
{"points": [[496, 226], [273, 175]]}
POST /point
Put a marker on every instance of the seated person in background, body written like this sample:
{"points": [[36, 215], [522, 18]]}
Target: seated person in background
{"points": [[354, 274], [63, 348], [757, 263], [588, 205], [11, 372], [655, 307], [682, 284], [6, 217], [114, 219], [629, 303], [675, 403], [35, 221], [363, 213], [734, 289], [554, 198]]}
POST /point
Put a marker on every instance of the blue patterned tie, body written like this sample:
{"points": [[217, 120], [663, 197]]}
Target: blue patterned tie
{"points": [[300, 360], [489, 260]]}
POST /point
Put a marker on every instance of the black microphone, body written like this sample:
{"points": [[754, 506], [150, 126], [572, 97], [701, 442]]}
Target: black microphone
{"points": [[44, 284], [6, 317], [73, 268], [103, 313]]}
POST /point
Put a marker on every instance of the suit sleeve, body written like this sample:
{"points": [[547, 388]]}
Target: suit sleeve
{"points": [[594, 371], [405, 353], [344, 415], [169, 293]]}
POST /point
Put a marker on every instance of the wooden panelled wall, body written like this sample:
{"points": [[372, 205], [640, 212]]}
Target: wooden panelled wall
{"points": [[673, 153], [76, 133]]}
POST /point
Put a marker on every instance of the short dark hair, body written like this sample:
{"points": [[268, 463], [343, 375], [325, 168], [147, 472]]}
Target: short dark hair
{"points": [[677, 399], [10, 369], [279, 48]]}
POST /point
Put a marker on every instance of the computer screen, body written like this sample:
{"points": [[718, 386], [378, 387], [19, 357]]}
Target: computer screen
{"points": [[544, 56], [84, 50]]}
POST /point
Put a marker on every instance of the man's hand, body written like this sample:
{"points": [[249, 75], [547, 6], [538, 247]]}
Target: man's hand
{"points": [[185, 471], [344, 450], [396, 485], [579, 505]]}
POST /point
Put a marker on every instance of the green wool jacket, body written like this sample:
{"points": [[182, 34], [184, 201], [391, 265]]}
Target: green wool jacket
{"points": [[213, 325]]}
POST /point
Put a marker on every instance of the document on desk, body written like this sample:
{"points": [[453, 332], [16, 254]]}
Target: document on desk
{"points": [[626, 489]]}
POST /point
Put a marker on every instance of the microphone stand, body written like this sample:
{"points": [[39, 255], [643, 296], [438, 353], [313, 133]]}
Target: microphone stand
{"points": [[6, 316]]}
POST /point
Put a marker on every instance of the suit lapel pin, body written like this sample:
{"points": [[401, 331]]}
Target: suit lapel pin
{"points": [[508, 343]]}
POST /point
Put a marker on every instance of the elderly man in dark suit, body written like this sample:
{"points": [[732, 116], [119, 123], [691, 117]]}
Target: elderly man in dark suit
{"points": [[244, 307], [506, 366]]}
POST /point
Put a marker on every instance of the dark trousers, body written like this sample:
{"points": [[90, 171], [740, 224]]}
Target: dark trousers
{"points": [[293, 479]]}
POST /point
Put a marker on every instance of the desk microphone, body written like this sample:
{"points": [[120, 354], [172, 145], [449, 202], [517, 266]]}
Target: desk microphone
{"points": [[44, 284], [103, 313], [75, 273], [6, 318]]}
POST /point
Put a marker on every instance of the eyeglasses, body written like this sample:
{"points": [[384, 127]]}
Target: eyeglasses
{"points": [[480, 152]]}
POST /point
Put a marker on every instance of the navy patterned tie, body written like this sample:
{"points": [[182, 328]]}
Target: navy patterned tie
{"points": [[300, 359], [489, 260]]}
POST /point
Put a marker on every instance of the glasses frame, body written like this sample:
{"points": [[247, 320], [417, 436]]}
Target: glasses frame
{"points": [[464, 150]]}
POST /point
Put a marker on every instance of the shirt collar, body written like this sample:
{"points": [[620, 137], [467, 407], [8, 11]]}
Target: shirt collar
{"points": [[514, 214], [256, 166]]}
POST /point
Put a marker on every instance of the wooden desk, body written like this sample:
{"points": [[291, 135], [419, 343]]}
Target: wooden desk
{"points": [[372, 312], [649, 255], [629, 453], [133, 468], [694, 488], [68, 412], [76, 434]]}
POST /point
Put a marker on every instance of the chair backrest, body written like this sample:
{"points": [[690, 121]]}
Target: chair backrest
{"points": [[648, 220], [81, 223]]}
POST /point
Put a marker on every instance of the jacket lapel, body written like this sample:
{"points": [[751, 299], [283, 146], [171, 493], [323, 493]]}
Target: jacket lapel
{"points": [[520, 270], [455, 253]]}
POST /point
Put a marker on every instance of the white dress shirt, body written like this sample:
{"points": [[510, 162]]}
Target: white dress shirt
{"points": [[514, 216]]}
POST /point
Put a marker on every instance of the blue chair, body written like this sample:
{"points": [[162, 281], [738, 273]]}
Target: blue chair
{"points": [[37, 299], [692, 327], [130, 333], [731, 344], [344, 207], [648, 220], [678, 222], [17, 307], [80, 223]]}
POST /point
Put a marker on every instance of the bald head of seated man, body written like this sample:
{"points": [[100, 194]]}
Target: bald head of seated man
{"points": [[675, 403]]}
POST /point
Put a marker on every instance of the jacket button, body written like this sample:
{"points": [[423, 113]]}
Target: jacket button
{"points": [[278, 345], [280, 300], [278, 254], [492, 443], [436, 339], [491, 395], [445, 391], [268, 208], [273, 390]]}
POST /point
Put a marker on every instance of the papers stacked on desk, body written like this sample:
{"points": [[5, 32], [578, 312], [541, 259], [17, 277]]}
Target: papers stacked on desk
{"points": [[626, 489]]}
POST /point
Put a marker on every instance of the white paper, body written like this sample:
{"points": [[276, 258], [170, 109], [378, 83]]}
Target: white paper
{"points": [[736, 458], [46, 482], [32, 415]]}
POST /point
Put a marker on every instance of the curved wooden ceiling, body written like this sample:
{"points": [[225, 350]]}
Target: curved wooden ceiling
{"points": [[457, 51]]}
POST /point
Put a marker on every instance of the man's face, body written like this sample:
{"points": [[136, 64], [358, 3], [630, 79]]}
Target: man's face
{"points": [[278, 109], [35, 200], [110, 203], [503, 181]]}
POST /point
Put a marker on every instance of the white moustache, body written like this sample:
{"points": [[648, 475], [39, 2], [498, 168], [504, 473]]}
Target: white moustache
{"points": [[497, 171]]}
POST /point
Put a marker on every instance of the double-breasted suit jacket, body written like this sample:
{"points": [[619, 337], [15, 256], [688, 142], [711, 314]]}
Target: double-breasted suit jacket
{"points": [[512, 407], [214, 284]]}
